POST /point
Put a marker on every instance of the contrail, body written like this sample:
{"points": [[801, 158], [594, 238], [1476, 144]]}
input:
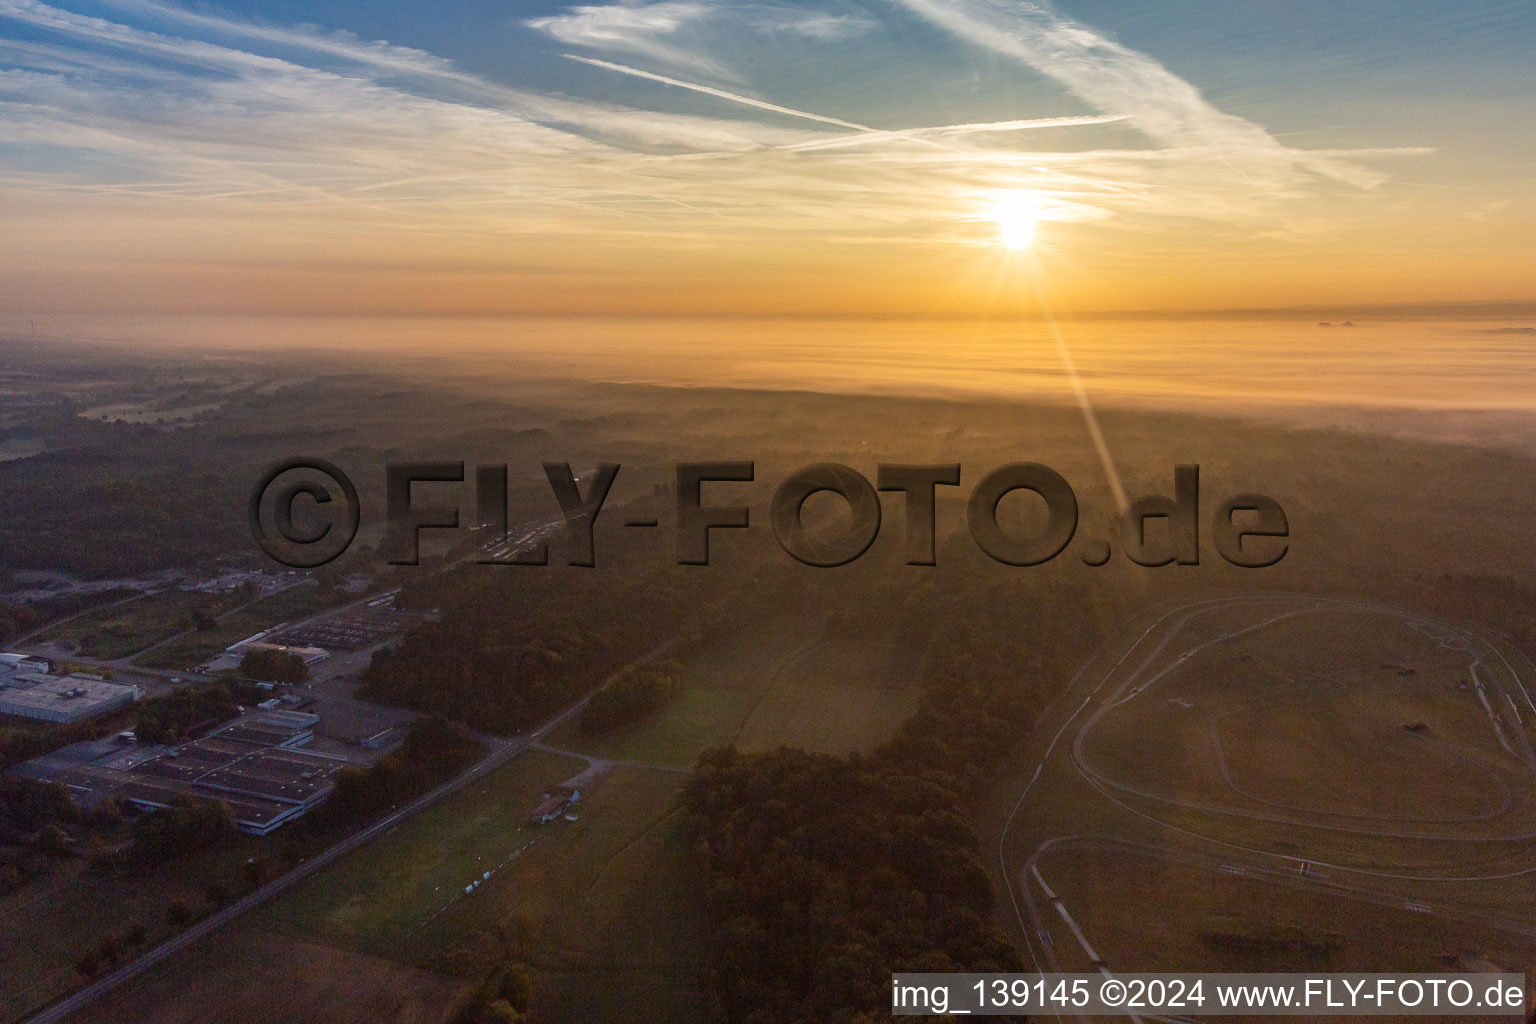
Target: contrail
{"points": [[867, 133], [709, 90], [954, 129]]}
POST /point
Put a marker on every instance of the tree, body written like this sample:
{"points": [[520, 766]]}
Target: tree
{"points": [[501, 1011], [185, 826], [274, 666], [179, 913], [54, 841], [168, 718], [516, 987]]}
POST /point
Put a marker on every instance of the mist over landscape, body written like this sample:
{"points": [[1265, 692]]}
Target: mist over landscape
{"points": [[754, 512]]}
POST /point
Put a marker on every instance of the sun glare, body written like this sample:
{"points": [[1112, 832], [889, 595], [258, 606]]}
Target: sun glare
{"points": [[1016, 214]]}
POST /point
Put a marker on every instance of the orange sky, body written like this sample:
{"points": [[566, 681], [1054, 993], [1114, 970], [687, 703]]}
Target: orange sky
{"points": [[704, 160]]}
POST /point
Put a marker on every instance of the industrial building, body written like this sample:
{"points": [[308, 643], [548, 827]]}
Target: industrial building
{"points": [[251, 764], [231, 657], [27, 690]]}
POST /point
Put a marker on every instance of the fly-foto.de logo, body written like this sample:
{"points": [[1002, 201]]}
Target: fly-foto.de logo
{"points": [[305, 512]]}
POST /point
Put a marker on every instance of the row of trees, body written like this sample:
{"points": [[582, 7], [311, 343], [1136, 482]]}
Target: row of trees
{"points": [[631, 694], [434, 751]]}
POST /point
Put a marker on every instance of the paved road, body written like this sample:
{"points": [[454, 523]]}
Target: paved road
{"points": [[502, 750]]}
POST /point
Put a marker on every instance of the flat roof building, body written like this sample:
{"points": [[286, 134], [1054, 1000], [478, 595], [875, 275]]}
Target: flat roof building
{"points": [[251, 765], [74, 698]]}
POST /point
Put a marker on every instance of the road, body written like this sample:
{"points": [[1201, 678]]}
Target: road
{"points": [[502, 751], [1155, 650], [126, 663]]}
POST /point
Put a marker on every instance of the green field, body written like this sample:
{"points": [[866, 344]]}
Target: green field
{"points": [[782, 686], [46, 926], [599, 906], [381, 895], [117, 631], [721, 685], [837, 698], [288, 605], [254, 976]]}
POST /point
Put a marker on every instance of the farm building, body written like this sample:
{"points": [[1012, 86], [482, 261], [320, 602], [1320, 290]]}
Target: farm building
{"points": [[553, 805]]}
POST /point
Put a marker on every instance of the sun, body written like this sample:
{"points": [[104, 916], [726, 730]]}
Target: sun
{"points": [[1017, 213]]}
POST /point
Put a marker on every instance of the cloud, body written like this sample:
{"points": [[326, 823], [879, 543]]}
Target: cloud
{"points": [[822, 26], [1114, 78], [1488, 210], [631, 28], [321, 132]]}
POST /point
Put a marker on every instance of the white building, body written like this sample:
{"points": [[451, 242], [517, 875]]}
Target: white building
{"points": [[61, 698]]}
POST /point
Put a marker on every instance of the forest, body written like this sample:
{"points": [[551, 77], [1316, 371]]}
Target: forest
{"points": [[516, 645], [839, 871]]}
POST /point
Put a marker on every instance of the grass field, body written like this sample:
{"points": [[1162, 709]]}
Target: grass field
{"points": [[119, 630], [784, 685], [601, 907], [721, 685], [839, 697], [48, 925], [1144, 913], [288, 605], [381, 896], [253, 976], [1350, 715]]}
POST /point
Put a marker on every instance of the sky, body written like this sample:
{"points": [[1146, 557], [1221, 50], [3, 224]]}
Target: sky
{"points": [[953, 157]]}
